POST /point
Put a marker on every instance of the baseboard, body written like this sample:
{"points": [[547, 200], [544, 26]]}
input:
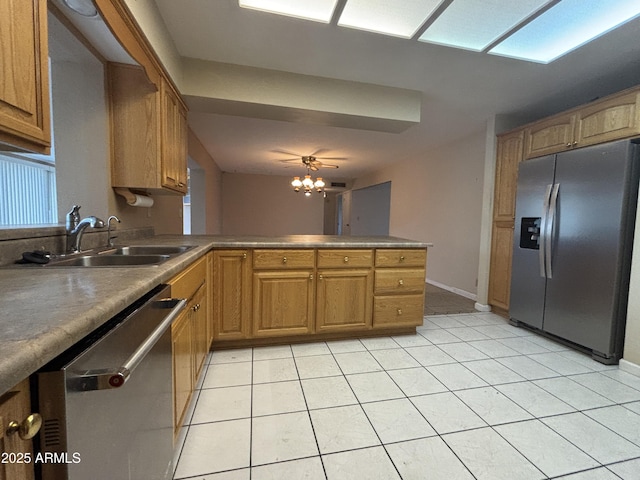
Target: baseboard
{"points": [[630, 367], [481, 307], [457, 291]]}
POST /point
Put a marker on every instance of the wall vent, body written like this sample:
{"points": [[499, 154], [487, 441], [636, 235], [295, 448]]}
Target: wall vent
{"points": [[339, 184]]}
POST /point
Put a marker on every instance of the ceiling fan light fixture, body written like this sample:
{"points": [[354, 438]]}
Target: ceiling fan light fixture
{"points": [[296, 184], [307, 182], [319, 184]]}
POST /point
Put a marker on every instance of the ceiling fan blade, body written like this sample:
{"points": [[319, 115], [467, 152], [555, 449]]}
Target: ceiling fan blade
{"points": [[286, 152], [324, 165], [319, 150], [332, 158], [288, 160], [314, 167]]}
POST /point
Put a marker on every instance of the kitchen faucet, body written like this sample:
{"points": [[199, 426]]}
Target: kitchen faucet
{"points": [[75, 228]]}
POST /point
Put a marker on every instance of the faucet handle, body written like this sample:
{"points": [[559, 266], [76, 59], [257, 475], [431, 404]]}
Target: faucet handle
{"points": [[73, 217]]}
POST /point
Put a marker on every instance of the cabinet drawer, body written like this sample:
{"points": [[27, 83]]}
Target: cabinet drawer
{"points": [[345, 258], [399, 281], [185, 284], [401, 257], [283, 259], [398, 310]]}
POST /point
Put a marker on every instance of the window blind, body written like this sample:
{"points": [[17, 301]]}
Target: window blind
{"points": [[27, 192]]}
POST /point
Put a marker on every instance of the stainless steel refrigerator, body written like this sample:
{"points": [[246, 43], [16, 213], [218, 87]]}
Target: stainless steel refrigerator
{"points": [[573, 238]]}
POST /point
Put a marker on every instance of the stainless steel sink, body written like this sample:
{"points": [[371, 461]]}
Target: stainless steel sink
{"points": [[148, 250], [109, 261]]}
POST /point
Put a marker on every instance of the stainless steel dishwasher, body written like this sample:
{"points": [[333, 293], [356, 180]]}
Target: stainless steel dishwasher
{"points": [[107, 402]]}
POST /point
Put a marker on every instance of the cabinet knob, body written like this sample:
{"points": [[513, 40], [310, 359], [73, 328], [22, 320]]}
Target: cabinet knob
{"points": [[399, 311], [320, 277], [311, 276], [244, 255], [400, 282], [284, 259], [569, 145], [574, 143], [27, 429], [180, 184], [346, 259]]}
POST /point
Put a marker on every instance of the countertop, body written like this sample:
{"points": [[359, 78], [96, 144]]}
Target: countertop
{"points": [[45, 310]]}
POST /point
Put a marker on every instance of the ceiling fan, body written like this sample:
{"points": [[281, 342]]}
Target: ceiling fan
{"points": [[311, 161]]}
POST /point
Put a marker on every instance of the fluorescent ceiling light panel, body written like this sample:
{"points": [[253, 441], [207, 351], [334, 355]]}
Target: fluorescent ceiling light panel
{"points": [[400, 18], [476, 24], [318, 10], [565, 27]]}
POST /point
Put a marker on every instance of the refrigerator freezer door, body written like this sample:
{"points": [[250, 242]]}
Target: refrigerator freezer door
{"points": [[587, 245], [527, 284]]}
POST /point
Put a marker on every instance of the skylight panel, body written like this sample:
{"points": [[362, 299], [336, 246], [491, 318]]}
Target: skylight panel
{"points": [[565, 27], [400, 18], [318, 10], [476, 24]]}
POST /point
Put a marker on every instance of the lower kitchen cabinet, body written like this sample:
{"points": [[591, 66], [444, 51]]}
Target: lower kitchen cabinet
{"points": [[399, 288], [189, 337], [283, 303], [267, 294], [231, 294], [344, 299], [17, 452]]}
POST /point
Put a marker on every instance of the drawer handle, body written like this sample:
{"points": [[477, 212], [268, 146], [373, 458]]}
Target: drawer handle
{"points": [[399, 311], [400, 282], [346, 259], [402, 258], [284, 259]]}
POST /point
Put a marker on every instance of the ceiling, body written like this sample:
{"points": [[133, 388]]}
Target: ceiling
{"points": [[460, 89]]}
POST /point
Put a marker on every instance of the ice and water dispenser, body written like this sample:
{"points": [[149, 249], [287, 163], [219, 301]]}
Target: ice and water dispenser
{"points": [[530, 233]]}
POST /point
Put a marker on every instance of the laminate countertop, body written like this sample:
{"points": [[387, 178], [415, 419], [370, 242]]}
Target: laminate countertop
{"points": [[46, 310]]}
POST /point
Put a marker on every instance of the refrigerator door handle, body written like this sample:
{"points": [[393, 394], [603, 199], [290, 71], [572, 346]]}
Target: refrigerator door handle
{"points": [[551, 221], [543, 231]]}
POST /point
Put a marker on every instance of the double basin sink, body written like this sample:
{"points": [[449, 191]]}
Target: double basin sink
{"points": [[120, 256]]}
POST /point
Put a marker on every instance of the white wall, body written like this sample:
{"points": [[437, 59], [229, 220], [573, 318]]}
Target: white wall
{"points": [[438, 198], [212, 207], [267, 205]]}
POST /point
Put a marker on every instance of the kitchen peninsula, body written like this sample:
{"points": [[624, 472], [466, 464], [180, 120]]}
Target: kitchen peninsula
{"points": [[379, 280]]}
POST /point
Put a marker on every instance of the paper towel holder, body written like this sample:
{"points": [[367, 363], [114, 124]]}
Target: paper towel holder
{"points": [[134, 199]]}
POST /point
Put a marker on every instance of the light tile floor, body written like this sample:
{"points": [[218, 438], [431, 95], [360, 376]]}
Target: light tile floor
{"points": [[469, 396]]}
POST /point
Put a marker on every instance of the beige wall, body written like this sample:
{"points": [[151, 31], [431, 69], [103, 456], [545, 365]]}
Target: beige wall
{"points": [[267, 205], [438, 198]]}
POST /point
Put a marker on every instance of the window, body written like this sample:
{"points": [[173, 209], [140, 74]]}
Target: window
{"points": [[27, 191]]}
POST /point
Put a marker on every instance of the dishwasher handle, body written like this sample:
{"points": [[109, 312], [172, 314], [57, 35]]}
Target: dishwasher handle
{"points": [[109, 378]]}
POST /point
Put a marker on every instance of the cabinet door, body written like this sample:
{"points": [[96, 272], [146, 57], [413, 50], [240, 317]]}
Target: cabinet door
{"points": [[550, 136], [398, 310], [199, 324], [509, 155], [15, 406], [174, 153], [608, 120], [135, 128], [182, 351], [500, 273], [231, 294], [344, 300], [24, 89], [283, 303]]}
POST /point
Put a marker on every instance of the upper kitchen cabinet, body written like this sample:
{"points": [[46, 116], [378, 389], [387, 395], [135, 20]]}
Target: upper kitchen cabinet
{"points": [[148, 132], [612, 118], [24, 81], [550, 136]]}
